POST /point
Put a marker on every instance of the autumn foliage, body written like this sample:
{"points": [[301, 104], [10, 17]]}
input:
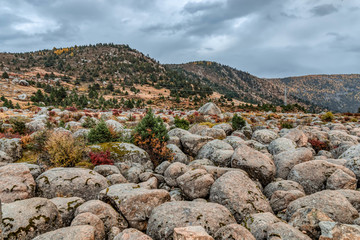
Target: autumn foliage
{"points": [[101, 158]]}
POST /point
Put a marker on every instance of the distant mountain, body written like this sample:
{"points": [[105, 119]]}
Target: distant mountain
{"points": [[340, 93], [122, 72]]}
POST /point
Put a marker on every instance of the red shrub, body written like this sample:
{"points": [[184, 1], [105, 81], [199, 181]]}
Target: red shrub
{"points": [[101, 158], [319, 145], [71, 109]]}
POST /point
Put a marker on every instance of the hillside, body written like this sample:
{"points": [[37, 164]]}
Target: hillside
{"points": [[234, 83], [113, 76], [340, 93]]}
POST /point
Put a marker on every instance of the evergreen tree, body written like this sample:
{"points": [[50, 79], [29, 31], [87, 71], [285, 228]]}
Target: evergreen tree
{"points": [[100, 133], [5, 75]]}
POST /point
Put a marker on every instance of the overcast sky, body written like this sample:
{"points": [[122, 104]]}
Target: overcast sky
{"points": [[267, 38]]}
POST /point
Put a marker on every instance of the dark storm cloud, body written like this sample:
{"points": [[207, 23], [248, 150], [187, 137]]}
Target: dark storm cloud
{"points": [[268, 38], [324, 9]]}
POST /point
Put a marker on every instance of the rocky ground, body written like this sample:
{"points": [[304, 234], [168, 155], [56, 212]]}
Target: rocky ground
{"points": [[260, 182]]}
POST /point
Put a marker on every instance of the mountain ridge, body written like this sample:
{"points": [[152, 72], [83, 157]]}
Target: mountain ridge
{"points": [[127, 68]]}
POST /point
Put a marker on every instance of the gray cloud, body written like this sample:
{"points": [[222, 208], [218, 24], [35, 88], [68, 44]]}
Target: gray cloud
{"points": [[324, 9], [268, 38]]}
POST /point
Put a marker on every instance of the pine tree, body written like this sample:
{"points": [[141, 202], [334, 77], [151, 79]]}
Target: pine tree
{"points": [[100, 133]]}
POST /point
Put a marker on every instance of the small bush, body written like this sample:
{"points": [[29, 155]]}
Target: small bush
{"points": [[209, 124], [18, 125], [319, 145], [156, 149], [182, 123], [101, 158], [196, 118], [100, 133], [238, 122], [64, 150], [155, 125], [89, 123], [287, 125], [151, 135], [328, 117]]}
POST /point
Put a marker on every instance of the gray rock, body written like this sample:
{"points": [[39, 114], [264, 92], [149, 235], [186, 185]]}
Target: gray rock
{"points": [[236, 191], [212, 132], [83, 232], [168, 216], [201, 162], [5, 158], [224, 126], [280, 145], [353, 196], [233, 231], [307, 220], [81, 133], [160, 169], [67, 207], [280, 199], [282, 185], [26, 219], [132, 234], [195, 183], [264, 136], [193, 143], [298, 136], [178, 132], [110, 217], [286, 160], [332, 230], [179, 156], [134, 202], [116, 179], [35, 125], [217, 151], [330, 202], [285, 232], [259, 223], [210, 109], [106, 170], [255, 163], [174, 171], [234, 141], [314, 181], [12, 147], [191, 232], [91, 220], [16, 183], [70, 182]]}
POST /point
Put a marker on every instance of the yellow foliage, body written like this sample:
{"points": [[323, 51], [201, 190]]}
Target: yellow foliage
{"points": [[64, 149], [209, 124]]}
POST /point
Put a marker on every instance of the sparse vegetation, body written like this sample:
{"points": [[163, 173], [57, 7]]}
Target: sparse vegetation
{"points": [[238, 122], [64, 150]]}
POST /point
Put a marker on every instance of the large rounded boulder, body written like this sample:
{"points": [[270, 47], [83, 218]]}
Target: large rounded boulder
{"points": [[70, 182], [256, 164], [236, 191], [168, 216]]}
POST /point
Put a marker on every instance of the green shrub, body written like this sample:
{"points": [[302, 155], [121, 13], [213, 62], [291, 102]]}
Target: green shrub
{"points": [[89, 123], [150, 125], [287, 125], [151, 135], [328, 117], [182, 123], [18, 125], [238, 122], [100, 133]]}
